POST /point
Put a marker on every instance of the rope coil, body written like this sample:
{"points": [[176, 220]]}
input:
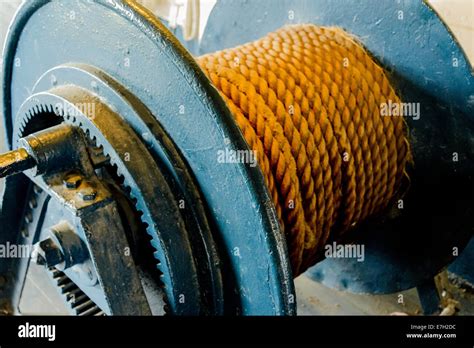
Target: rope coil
{"points": [[307, 100]]}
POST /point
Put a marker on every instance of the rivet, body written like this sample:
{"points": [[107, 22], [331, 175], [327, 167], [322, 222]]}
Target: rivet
{"points": [[88, 194], [72, 181]]}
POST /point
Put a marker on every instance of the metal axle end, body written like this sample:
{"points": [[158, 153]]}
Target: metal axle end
{"points": [[15, 161]]}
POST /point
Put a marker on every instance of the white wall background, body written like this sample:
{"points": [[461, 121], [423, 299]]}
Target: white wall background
{"points": [[459, 16]]}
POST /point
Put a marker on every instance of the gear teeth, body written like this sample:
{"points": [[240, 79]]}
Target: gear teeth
{"points": [[75, 293], [93, 311], [78, 301], [28, 217], [164, 278], [34, 111], [67, 288], [31, 205]]}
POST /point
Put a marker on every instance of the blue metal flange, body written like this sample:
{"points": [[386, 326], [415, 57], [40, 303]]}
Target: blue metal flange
{"points": [[131, 46], [427, 66]]}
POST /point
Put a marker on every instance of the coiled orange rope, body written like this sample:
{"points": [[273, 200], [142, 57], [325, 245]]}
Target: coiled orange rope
{"points": [[307, 100]]}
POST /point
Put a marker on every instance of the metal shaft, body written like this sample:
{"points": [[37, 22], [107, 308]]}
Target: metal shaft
{"points": [[15, 161]]}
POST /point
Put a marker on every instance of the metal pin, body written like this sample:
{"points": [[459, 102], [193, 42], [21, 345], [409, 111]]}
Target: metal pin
{"points": [[15, 161]]}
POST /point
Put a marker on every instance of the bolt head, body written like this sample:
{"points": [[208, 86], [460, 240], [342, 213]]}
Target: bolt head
{"points": [[38, 258], [72, 181], [88, 194], [47, 253]]}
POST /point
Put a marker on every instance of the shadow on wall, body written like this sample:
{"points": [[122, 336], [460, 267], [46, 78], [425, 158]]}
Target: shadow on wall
{"points": [[458, 15]]}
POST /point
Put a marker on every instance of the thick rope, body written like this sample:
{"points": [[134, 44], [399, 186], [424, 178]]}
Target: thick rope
{"points": [[307, 100]]}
